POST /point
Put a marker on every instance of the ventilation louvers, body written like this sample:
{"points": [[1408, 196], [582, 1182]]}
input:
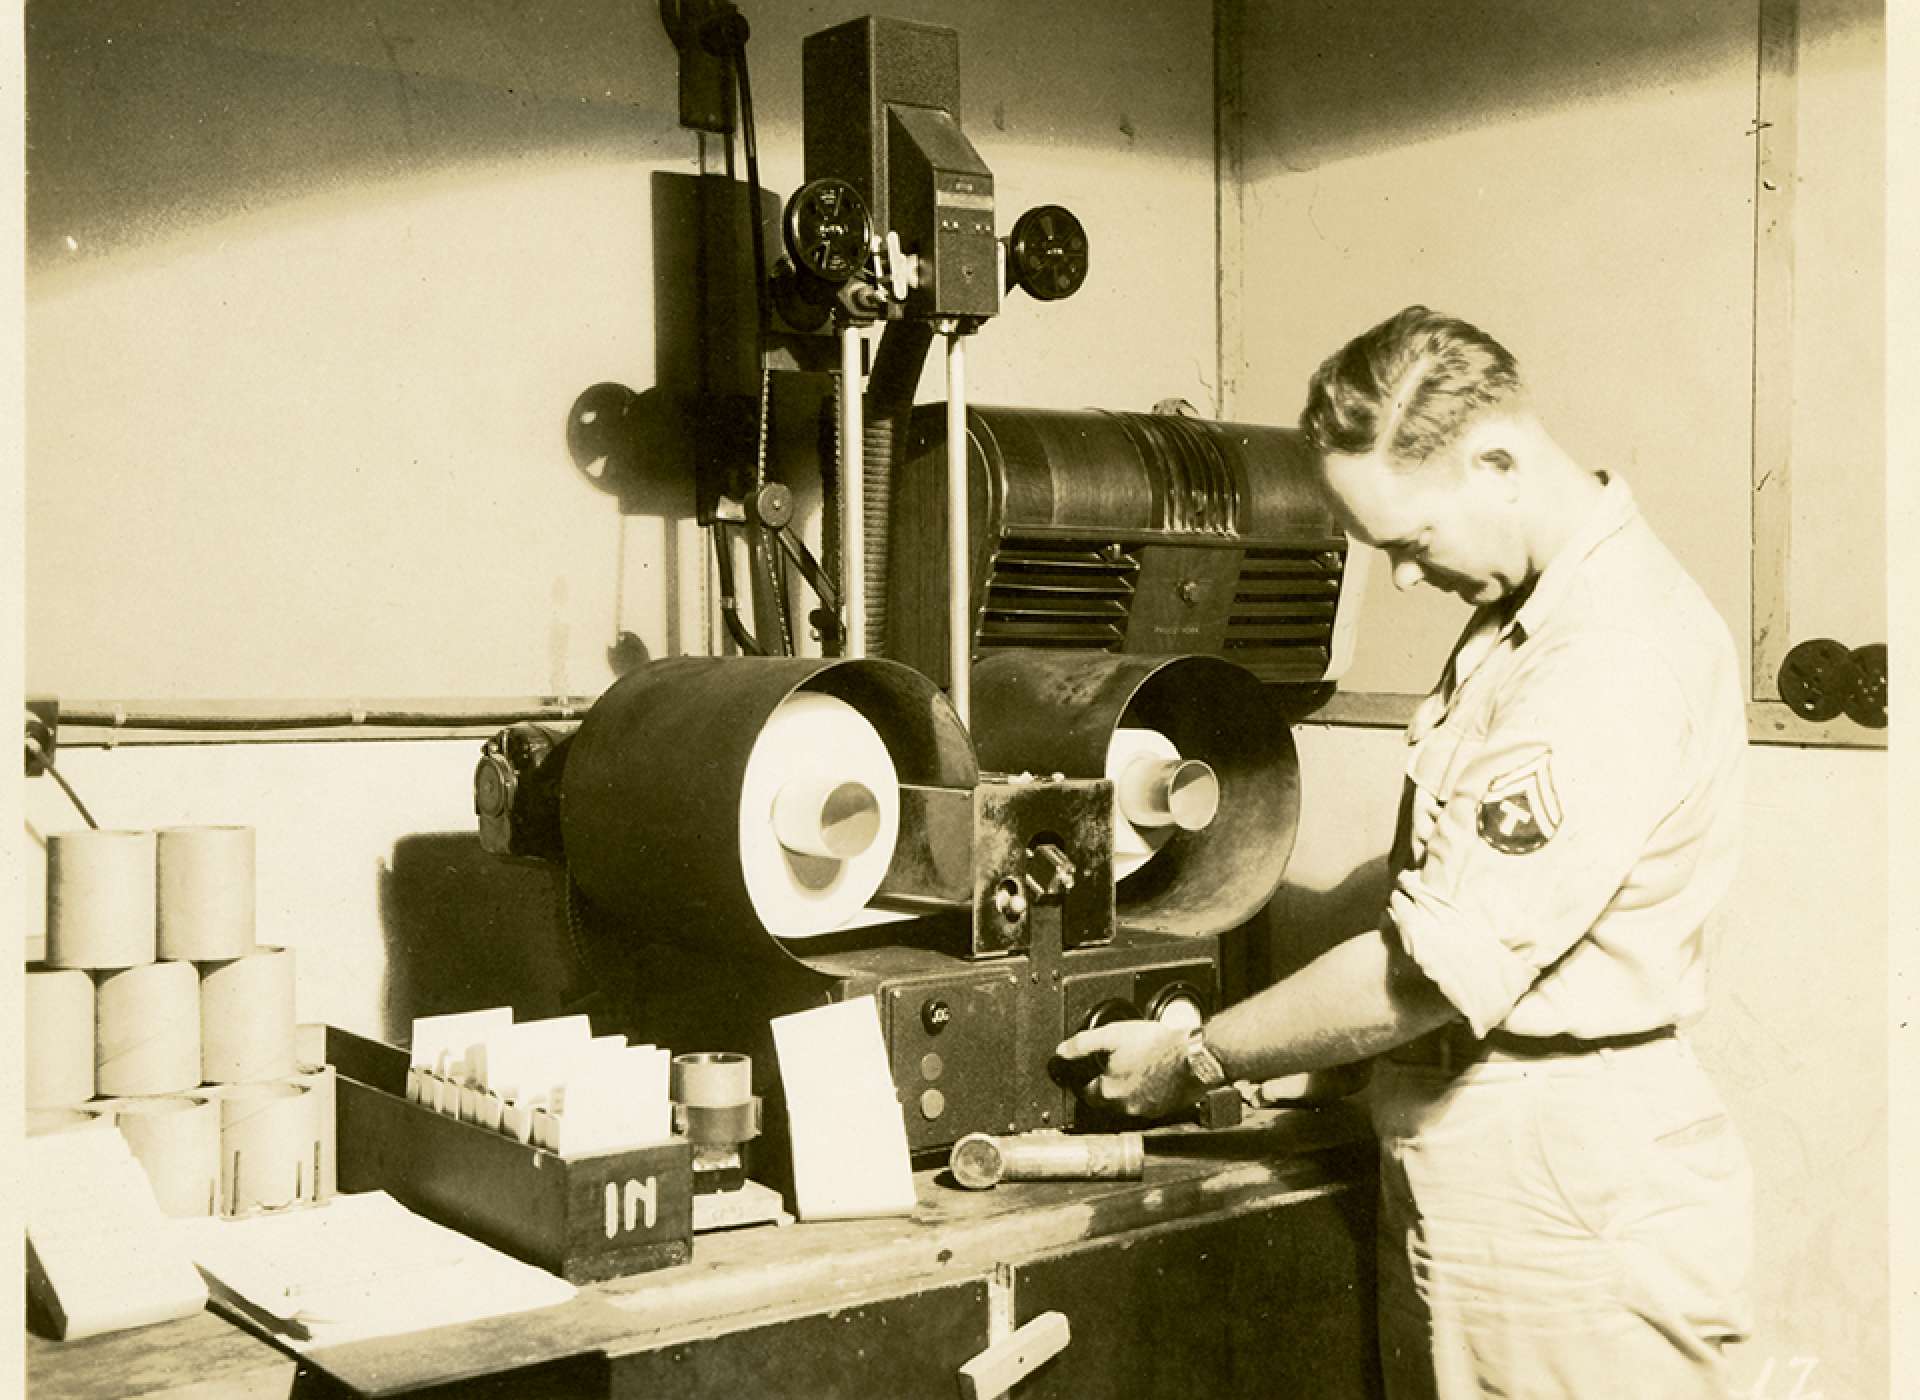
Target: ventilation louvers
{"points": [[1058, 593]]}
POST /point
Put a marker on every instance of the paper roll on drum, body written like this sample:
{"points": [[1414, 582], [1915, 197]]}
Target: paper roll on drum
{"points": [[100, 899], [177, 1140], [1142, 764], [205, 892], [246, 1018], [269, 1145], [59, 1037], [819, 781], [147, 1030]]}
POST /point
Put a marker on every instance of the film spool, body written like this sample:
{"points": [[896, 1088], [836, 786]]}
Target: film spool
{"points": [[101, 897], [247, 1018], [205, 882], [59, 1042], [146, 1030], [177, 1139], [268, 1147]]}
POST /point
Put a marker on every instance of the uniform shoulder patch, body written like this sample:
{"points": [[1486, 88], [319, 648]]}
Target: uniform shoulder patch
{"points": [[1520, 810]]}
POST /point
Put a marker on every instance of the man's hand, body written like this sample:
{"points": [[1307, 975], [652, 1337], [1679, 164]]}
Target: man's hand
{"points": [[1138, 1067]]}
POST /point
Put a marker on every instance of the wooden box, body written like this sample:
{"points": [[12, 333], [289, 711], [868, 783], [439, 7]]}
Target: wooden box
{"points": [[583, 1218]]}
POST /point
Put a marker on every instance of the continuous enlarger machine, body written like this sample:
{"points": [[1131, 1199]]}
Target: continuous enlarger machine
{"points": [[1044, 763], [1002, 742]]}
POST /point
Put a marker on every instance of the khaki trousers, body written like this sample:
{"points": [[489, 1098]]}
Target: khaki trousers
{"points": [[1575, 1226]]}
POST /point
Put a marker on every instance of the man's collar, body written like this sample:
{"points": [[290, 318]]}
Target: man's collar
{"points": [[1610, 513]]}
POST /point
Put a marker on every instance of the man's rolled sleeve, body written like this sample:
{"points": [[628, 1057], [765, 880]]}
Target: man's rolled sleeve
{"points": [[1542, 820]]}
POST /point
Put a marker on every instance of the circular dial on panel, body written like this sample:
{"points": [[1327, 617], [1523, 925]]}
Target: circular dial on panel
{"points": [[827, 229], [1047, 253], [1179, 1005]]}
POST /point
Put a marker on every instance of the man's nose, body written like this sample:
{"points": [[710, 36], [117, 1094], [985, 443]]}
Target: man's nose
{"points": [[1407, 574]]}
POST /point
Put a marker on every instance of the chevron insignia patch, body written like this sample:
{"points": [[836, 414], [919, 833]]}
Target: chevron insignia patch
{"points": [[1520, 810]]}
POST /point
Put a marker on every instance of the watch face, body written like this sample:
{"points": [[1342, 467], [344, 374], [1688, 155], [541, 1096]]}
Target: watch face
{"points": [[1204, 1063]]}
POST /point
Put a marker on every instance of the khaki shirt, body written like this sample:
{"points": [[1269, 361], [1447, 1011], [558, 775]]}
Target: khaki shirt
{"points": [[1573, 802]]}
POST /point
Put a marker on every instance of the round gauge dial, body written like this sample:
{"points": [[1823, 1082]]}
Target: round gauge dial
{"points": [[827, 229], [1047, 253]]}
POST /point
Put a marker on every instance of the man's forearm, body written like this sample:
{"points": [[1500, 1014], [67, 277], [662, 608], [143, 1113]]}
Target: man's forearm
{"points": [[1358, 999]]}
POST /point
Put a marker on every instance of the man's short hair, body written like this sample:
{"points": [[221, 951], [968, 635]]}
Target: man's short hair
{"points": [[1410, 385]]}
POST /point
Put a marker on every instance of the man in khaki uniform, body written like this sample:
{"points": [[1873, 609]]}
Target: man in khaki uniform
{"points": [[1565, 1207]]}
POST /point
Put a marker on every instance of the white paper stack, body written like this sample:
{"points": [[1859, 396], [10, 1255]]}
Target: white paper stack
{"points": [[359, 1266], [850, 1154], [100, 1255], [610, 1098], [551, 1082]]}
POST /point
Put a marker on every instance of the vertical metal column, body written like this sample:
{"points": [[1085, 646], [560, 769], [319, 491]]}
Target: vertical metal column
{"points": [[959, 580]]}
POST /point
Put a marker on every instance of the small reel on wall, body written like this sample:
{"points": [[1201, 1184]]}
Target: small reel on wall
{"points": [[1822, 679]]}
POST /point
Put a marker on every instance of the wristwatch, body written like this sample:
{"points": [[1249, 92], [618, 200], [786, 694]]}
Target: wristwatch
{"points": [[1202, 1063]]}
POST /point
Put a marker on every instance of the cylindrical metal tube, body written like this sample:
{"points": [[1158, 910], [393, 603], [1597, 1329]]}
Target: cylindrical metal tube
{"points": [[959, 573], [853, 526], [980, 1160]]}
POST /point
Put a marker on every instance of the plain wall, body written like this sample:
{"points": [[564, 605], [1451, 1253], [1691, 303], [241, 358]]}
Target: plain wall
{"points": [[1578, 179]]}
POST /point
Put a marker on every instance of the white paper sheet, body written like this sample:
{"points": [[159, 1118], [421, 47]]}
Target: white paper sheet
{"points": [[360, 1266]]}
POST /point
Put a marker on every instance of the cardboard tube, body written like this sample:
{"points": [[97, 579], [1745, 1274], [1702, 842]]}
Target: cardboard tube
{"points": [[319, 1080], [59, 1037], [41, 1121], [205, 892], [100, 899], [177, 1140], [246, 1018], [146, 1030], [827, 817], [266, 1147]]}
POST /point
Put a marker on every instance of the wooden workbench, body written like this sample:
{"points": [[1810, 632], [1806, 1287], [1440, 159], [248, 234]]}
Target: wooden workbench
{"points": [[1242, 1263]]}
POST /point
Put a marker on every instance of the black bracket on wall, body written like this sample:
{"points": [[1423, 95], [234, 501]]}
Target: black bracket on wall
{"points": [[706, 94]]}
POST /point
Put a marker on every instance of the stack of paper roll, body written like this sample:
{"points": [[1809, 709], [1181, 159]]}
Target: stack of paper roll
{"points": [[155, 1002]]}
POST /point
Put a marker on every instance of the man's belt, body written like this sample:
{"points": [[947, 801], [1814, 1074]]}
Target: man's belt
{"points": [[1455, 1046]]}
